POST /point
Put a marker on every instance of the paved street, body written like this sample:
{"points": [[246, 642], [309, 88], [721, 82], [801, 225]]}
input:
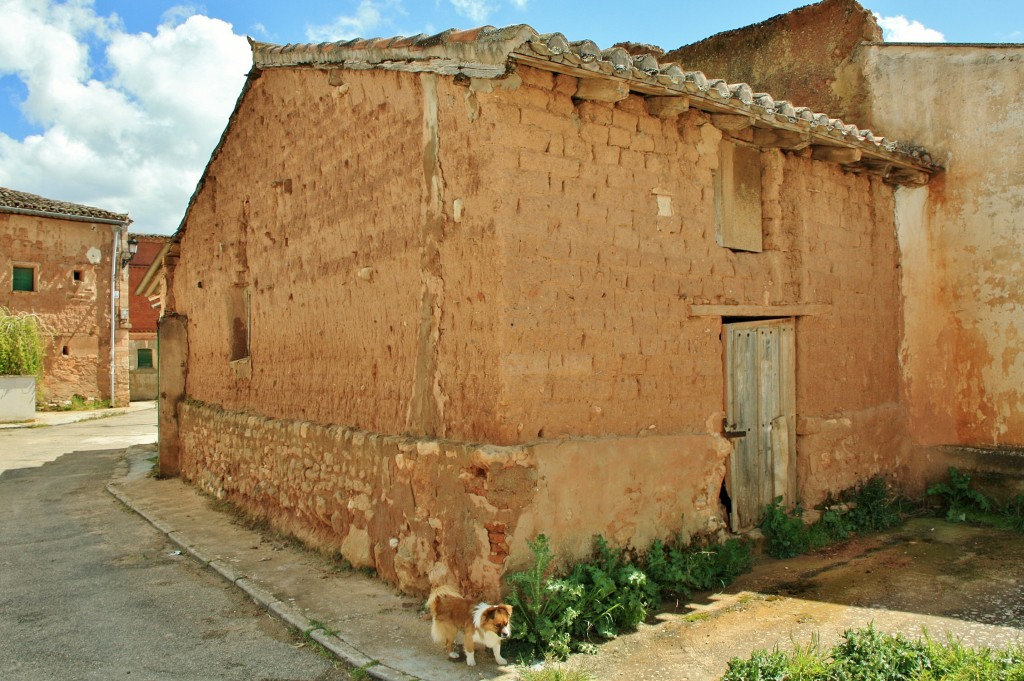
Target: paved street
{"points": [[89, 590]]}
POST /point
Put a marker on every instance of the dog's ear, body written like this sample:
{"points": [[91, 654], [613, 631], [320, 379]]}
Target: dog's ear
{"points": [[505, 609]]}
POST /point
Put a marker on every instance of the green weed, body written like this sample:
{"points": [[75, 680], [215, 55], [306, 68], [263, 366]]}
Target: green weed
{"points": [[962, 503], [559, 614], [784, 531], [362, 673], [78, 403], [552, 670], [869, 655], [870, 507], [681, 569]]}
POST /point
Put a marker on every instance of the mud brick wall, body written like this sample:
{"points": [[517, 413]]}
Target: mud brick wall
{"points": [[609, 238], [493, 261], [74, 314]]}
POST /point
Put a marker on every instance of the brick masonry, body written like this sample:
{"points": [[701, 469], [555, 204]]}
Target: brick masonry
{"points": [[74, 313]]}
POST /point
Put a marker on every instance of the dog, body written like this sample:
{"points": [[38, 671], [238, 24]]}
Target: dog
{"points": [[483, 623]]}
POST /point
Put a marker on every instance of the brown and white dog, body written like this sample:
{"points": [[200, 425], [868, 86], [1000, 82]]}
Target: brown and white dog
{"points": [[481, 623]]}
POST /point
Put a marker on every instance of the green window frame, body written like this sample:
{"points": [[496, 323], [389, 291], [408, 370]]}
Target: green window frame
{"points": [[145, 358], [23, 278]]}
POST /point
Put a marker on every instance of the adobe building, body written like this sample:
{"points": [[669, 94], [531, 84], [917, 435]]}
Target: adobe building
{"points": [[65, 262], [145, 310], [436, 295], [960, 236]]}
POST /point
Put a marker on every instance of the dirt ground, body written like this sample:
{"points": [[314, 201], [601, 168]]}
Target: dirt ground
{"points": [[926, 576]]}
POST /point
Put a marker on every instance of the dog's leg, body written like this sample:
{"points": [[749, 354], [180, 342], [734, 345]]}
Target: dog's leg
{"points": [[468, 645], [497, 654], [445, 634]]}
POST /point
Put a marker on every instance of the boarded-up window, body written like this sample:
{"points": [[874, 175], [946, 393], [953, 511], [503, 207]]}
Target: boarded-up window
{"points": [[145, 358], [23, 279], [738, 197]]}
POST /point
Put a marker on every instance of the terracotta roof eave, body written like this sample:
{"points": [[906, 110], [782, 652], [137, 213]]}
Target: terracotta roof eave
{"points": [[719, 97], [486, 47], [122, 220], [14, 201]]}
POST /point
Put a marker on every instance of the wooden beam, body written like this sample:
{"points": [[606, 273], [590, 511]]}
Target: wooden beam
{"points": [[731, 122], [667, 107], [601, 90], [908, 177], [800, 310], [845, 155], [780, 139]]}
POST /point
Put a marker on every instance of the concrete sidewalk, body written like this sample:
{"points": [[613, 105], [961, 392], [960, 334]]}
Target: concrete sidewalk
{"points": [[58, 418]]}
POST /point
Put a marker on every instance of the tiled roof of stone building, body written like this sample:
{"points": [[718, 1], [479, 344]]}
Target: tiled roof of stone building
{"points": [[612, 74], [12, 201]]}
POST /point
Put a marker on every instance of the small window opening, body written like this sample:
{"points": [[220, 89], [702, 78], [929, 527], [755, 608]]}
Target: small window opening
{"points": [[77, 275], [65, 351], [239, 321], [145, 358], [23, 279]]}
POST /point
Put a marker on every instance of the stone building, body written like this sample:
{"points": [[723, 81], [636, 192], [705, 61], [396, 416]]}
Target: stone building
{"points": [[436, 295], [145, 310], [960, 237], [66, 263]]}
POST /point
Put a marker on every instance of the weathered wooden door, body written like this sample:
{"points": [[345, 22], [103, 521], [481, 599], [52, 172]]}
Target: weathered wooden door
{"points": [[760, 416]]}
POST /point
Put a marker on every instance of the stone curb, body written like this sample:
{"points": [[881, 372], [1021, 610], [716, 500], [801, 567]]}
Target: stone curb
{"points": [[331, 641]]}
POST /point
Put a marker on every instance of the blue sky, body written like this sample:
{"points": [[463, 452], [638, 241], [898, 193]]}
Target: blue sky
{"points": [[118, 103]]}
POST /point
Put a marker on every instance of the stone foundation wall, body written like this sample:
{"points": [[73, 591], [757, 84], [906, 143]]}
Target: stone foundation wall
{"points": [[423, 512]]}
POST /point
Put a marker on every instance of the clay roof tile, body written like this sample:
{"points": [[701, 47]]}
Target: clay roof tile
{"points": [[13, 201]]}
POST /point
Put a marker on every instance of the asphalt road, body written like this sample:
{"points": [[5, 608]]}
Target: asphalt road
{"points": [[89, 590]]}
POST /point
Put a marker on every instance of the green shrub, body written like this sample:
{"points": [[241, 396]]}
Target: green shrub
{"points": [[21, 345]]}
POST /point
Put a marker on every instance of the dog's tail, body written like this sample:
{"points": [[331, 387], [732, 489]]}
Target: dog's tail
{"points": [[443, 591]]}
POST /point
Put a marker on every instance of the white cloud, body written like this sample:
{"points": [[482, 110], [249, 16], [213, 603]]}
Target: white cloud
{"points": [[477, 10], [368, 17], [899, 29], [136, 141], [520, 4]]}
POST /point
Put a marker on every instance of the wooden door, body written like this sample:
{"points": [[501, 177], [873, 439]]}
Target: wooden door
{"points": [[760, 416]]}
